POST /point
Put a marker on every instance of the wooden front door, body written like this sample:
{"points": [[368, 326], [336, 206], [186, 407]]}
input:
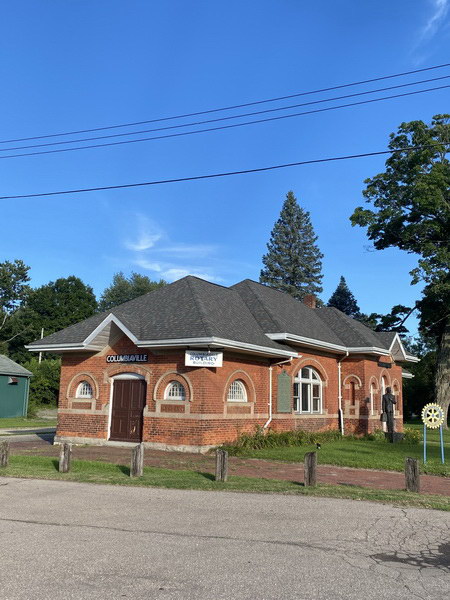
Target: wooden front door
{"points": [[127, 407]]}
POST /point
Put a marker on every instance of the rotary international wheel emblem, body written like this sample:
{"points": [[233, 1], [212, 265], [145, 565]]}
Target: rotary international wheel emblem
{"points": [[432, 415]]}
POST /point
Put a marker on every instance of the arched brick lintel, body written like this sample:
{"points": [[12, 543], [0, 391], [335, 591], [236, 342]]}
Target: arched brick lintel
{"points": [[248, 382]]}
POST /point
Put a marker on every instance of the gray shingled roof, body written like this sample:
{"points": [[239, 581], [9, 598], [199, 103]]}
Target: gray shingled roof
{"points": [[187, 308], [245, 312], [279, 312], [9, 367], [387, 337], [351, 332]]}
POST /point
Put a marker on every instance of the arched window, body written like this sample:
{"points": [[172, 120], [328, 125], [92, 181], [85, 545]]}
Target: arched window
{"points": [[237, 392], [175, 391], [308, 391], [352, 393], [384, 385], [373, 392], [84, 390]]}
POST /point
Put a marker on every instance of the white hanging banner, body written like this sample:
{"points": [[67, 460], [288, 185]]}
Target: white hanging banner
{"points": [[203, 358]]}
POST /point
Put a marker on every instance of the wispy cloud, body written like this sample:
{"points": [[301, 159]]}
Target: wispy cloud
{"points": [[154, 251], [147, 235], [436, 19], [172, 272]]}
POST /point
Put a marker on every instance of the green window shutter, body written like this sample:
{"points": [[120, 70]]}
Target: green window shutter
{"points": [[284, 398]]}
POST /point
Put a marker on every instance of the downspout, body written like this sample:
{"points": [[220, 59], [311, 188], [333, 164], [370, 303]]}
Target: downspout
{"points": [[340, 412], [269, 420]]}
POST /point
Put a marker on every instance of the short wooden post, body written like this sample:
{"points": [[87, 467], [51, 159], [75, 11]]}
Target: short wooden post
{"points": [[4, 453], [310, 468], [65, 457], [412, 475], [221, 465], [137, 461]]}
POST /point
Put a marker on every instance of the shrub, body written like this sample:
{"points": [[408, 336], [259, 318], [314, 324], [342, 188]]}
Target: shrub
{"points": [[412, 436], [375, 436], [260, 439]]}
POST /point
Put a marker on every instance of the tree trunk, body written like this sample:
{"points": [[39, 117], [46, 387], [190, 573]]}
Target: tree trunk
{"points": [[442, 381]]}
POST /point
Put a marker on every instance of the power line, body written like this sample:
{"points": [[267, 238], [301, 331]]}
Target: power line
{"points": [[224, 174], [224, 108], [248, 114], [222, 127]]}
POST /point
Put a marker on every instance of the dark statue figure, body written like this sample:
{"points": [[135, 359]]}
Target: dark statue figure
{"points": [[387, 407]]}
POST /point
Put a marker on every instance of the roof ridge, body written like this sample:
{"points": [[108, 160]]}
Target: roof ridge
{"points": [[261, 304], [203, 281], [199, 304]]}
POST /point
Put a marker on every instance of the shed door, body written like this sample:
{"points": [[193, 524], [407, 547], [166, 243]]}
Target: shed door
{"points": [[127, 410]]}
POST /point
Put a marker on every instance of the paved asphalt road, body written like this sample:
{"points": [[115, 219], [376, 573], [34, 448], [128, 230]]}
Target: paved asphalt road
{"points": [[62, 540]]}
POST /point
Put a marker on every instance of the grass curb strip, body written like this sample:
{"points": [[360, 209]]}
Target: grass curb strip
{"points": [[37, 467]]}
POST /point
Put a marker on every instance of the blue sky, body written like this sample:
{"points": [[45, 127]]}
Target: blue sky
{"points": [[84, 63]]}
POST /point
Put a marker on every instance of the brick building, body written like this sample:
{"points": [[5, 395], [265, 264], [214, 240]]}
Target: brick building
{"points": [[195, 364]]}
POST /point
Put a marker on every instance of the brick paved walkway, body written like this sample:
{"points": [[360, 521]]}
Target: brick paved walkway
{"points": [[431, 484]]}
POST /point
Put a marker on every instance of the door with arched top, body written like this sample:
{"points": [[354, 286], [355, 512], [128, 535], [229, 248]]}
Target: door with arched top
{"points": [[128, 401]]}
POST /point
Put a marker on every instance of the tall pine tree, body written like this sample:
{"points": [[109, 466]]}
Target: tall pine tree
{"points": [[344, 300], [293, 263]]}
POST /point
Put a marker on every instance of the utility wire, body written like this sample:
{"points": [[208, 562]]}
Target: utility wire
{"points": [[224, 174], [222, 127], [248, 114], [224, 108]]}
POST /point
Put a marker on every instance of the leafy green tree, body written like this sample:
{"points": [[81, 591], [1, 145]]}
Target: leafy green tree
{"points": [[14, 290], [343, 299], [420, 390], [52, 306], [125, 288], [293, 263], [393, 321], [411, 201], [44, 385]]}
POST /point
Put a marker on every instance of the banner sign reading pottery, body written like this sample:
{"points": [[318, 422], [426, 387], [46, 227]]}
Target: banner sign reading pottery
{"points": [[126, 358], [203, 358]]}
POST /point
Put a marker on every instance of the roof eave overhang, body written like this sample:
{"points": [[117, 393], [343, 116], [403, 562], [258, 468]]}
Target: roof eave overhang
{"points": [[406, 375], [410, 358], [319, 344], [216, 342], [213, 342]]}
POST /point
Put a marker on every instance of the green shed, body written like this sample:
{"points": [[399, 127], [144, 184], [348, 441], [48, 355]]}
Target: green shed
{"points": [[14, 387]]}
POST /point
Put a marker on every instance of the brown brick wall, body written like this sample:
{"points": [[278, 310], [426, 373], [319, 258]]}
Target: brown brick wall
{"points": [[205, 417]]}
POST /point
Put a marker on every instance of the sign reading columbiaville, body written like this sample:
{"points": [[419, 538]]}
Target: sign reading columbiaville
{"points": [[203, 358], [126, 358]]}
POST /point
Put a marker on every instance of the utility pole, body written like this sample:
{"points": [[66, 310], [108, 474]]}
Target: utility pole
{"points": [[40, 353]]}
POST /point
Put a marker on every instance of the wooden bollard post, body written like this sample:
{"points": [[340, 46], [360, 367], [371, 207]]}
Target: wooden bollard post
{"points": [[65, 457], [310, 468], [221, 465], [4, 453], [412, 475], [137, 461]]}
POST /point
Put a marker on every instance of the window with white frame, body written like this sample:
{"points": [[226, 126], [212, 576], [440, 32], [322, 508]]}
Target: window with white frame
{"points": [[175, 391], [373, 392], [84, 390], [308, 392], [237, 392]]}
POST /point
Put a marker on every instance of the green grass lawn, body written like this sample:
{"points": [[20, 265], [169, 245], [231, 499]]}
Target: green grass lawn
{"points": [[105, 473], [21, 422], [365, 454]]}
